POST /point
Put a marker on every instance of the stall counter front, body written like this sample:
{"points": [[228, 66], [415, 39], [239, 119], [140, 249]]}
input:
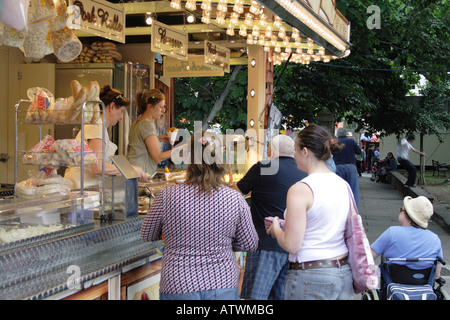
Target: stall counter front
{"points": [[72, 264]]}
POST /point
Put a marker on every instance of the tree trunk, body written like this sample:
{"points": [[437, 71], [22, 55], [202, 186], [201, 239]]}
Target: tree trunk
{"points": [[219, 102], [421, 181]]}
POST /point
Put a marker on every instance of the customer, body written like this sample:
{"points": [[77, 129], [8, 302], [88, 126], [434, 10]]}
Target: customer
{"points": [[363, 159], [370, 156], [317, 209], [411, 239], [203, 222], [144, 143], [266, 269], [115, 104], [346, 162], [403, 147]]}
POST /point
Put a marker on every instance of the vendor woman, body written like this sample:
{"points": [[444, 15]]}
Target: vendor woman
{"points": [[115, 104], [143, 147]]}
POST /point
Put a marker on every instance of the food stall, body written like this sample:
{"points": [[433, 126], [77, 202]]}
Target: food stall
{"points": [[59, 245]]}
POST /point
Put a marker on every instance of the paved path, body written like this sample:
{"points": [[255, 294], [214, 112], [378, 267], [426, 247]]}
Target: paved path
{"points": [[380, 205]]}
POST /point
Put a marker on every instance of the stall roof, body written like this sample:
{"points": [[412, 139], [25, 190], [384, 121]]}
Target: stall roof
{"points": [[312, 30]]}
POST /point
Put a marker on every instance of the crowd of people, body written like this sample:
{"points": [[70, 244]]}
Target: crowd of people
{"points": [[302, 255]]}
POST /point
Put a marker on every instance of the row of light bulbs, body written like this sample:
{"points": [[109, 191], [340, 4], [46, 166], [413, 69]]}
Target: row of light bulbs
{"points": [[254, 20], [302, 58]]}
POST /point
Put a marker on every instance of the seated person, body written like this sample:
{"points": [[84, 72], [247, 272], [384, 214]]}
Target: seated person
{"points": [[411, 239], [390, 162]]}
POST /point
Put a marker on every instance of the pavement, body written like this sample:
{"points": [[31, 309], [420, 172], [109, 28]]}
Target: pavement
{"points": [[380, 205]]}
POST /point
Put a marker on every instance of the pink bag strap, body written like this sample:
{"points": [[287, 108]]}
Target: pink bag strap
{"points": [[353, 209]]}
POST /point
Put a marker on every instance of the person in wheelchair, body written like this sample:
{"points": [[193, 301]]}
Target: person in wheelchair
{"points": [[411, 239]]}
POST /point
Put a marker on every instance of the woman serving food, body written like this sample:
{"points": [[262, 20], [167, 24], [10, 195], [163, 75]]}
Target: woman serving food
{"points": [[115, 104], [143, 147]]}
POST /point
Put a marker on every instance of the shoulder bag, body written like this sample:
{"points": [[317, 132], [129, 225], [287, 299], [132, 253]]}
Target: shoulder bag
{"points": [[360, 259]]}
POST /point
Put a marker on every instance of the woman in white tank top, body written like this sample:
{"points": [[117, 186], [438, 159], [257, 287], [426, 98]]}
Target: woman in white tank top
{"points": [[317, 208]]}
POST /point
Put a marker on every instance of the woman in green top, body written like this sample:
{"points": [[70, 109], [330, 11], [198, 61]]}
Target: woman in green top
{"points": [[143, 147]]}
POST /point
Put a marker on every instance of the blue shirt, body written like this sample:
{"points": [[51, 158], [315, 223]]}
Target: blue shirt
{"points": [[347, 154], [409, 242], [269, 192]]}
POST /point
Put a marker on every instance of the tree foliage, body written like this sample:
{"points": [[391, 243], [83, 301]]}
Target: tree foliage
{"points": [[196, 98], [369, 86]]}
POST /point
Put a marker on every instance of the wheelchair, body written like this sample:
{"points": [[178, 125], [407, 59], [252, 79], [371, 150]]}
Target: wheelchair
{"points": [[399, 282]]}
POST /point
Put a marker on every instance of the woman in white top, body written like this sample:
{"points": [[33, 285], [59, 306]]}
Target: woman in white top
{"points": [[115, 105], [316, 212]]}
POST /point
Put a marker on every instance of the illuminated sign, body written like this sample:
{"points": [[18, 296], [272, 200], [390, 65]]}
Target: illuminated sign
{"points": [[169, 41], [193, 67], [98, 17], [216, 56]]}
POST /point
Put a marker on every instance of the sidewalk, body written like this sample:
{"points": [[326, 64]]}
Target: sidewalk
{"points": [[380, 205]]}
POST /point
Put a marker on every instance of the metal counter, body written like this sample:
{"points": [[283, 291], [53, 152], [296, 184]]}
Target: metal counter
{"points": [[49, 266]]}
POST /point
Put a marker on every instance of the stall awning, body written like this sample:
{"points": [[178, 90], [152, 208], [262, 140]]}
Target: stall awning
{"points": [[316, 19], [306, 30]]}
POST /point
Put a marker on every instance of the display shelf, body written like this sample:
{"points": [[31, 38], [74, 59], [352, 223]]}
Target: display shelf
{"points": [[58, 117], [81, 157]]}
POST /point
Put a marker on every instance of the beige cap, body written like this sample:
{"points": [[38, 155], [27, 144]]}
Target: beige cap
{"points": [[419, 210]]}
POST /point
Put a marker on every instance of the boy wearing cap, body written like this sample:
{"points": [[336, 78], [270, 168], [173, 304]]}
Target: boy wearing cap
{"points": [[411, 239]]}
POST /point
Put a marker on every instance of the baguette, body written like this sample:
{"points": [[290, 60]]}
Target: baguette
{"points": [[93, 95], [76, 87], [75, 109]]}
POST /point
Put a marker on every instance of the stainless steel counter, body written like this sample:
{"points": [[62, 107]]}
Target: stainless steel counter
{"points": [[51, 265]]}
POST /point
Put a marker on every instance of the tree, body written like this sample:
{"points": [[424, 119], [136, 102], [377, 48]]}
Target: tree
{"points": [[212, 99], [218, 104], [431, 116], [369, 86]]}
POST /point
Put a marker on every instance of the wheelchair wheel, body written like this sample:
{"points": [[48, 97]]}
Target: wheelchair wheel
{"points": [[370, 295], [441, 294]]}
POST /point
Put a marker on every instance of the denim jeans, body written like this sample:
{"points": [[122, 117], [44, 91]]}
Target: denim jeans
{"points": [[349, 173], [320, 284], [214, 294], [265, 275], [412, 170]]}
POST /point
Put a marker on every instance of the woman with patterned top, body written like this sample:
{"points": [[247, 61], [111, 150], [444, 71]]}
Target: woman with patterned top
{"points": [[203, 222]]}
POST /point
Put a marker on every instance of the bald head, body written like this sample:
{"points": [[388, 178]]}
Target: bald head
{"points": [[281, 146]]}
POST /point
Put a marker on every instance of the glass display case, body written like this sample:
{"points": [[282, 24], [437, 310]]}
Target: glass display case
{"points": [[50, 243], [149, 190], [32, 220], [53, 245]]}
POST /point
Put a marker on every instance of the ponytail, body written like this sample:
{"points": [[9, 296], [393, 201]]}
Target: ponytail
{"points": [[143, 98], [319, 141]]}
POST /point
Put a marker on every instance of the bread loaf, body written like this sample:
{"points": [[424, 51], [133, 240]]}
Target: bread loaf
{"points": [[76, 87], [75, 109], [92, 113]]}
